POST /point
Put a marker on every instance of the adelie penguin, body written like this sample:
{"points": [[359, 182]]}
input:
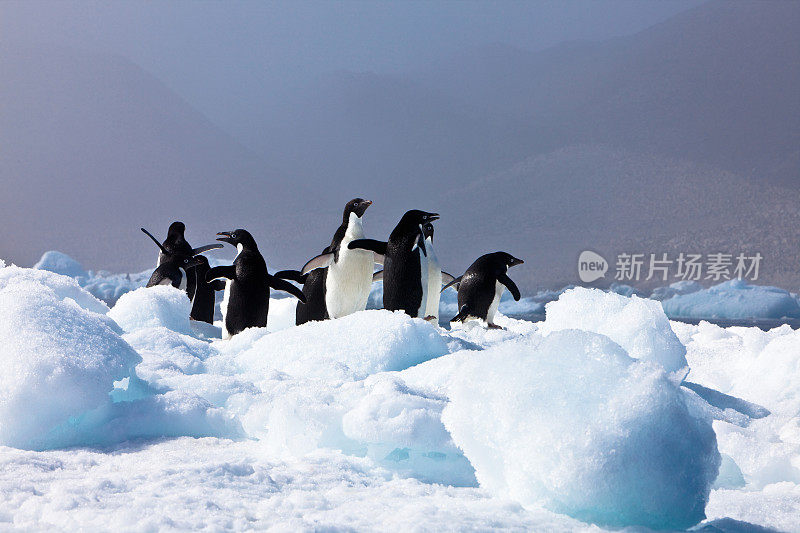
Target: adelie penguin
{"points": [[348, 271], [405, 268], [482, 285], [174, 268], [175, 244], [204, 295], [246, 301], [435, 276], [314, 290]]}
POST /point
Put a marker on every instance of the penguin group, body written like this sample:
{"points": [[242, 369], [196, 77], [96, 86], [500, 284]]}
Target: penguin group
{"points": [[337, 282]]}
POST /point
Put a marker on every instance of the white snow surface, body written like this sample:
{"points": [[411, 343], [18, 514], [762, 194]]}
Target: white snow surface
{"points": [[138, 419]]}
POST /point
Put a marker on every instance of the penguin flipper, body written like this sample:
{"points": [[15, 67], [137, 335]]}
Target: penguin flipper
{"points": [[379, 247], [291, 275], [377, 276], [161, 276], [207, 247], [462, 315], [378, 258], [218, 284], [447, 278], [218, 272], [321, 261], [160, 247], [455, 281], [510, 285], [283, 285]]}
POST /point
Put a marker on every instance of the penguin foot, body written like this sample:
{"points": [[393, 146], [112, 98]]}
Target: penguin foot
{"points": [[495, 326], [431, 318]]}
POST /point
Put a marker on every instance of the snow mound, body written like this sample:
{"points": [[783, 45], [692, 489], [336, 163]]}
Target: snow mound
{"points": [[59, 360], [149, 307], [63, 286], [402, 430], [573, 423], [345, 349], [735, 299], [61, 263], [637, 324]]}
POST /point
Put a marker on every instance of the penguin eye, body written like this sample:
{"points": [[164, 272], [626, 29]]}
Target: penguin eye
{"points": [[355, 204]]}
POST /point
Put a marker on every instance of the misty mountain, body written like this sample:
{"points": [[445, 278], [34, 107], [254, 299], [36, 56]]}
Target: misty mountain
{"points": [[716, 84], [93, 142]]}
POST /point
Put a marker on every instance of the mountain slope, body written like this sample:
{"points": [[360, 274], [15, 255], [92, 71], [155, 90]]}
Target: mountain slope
{"points": [[94, 147]]}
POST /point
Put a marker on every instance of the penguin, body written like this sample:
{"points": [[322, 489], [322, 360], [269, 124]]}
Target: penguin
{"points": [[348, 279], [405, 269], [436, 276], [246, 300], [482, 285], [204, 294], [175, 243], [314, 290], [174, 270]]}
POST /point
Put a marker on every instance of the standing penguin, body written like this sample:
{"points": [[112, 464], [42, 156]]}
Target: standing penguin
{"points": [[348, 279], [204, 295], [314, 290], [405, 270], [482, 285], [175, 244], [246, 300], [435, 276]]}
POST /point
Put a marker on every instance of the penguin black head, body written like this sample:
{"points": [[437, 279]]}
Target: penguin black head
{"points": [[238, 237], [357, 206], [507, 259], [427, 230], [418, 218], [186, 262], [176, 229]]}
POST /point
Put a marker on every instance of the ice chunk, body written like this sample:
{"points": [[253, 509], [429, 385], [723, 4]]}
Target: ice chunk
{"points": [[402, 431], [62, 286], [571, 422], [150, 307], [58, 359], [61, 263], [344, 349], [637, 324], [734, 299], [679, 287]]}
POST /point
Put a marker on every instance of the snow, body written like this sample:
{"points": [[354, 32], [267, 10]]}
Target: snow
{"points": [[60, 360], [162, 305], [734, 299], [103, 285], [573, 423], [136, 418], [61, 263], [637, 324]]}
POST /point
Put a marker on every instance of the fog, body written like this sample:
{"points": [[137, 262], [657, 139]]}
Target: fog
{"points": [[541, 128]]}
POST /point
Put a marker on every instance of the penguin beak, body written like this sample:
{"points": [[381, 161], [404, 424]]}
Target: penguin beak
{"points": [[225, 236], [516, 261], [430, 217]]}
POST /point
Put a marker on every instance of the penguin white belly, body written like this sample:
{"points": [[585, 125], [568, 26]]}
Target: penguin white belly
{"points": [[223, 307], [349, 280], [498, 292], [423, 275], [184, 277], [434, 283]]}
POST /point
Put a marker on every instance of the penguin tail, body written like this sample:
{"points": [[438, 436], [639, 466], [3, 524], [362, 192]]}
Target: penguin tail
{"points": [[462, 314]]}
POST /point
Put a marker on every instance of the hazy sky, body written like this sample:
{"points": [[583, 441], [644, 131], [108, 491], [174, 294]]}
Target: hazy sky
{"points": [[223, 56]]}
